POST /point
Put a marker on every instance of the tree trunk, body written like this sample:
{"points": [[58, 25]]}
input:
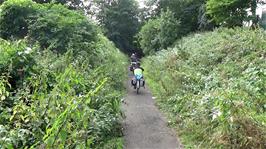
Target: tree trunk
{"points": [[253, 11]]}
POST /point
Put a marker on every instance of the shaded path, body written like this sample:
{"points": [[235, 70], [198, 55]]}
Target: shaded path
{"points": [[144, 125]]}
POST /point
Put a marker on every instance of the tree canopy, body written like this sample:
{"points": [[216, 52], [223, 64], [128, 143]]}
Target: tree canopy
{"points": [[119, 19], [159, 33], [233, 13]]}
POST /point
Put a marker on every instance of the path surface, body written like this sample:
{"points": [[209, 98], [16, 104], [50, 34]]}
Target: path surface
{"points": [[144, 125]]}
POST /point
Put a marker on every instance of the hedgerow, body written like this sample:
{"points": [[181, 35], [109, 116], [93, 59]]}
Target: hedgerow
{"points": [[61, 93], [212, 86]]}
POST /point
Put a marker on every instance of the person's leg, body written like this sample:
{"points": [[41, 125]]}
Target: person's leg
{"points": [[135, 82], [132, 82], [143, 81]]}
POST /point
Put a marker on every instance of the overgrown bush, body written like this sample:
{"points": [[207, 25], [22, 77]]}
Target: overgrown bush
{"points": [[14, 18], [63, 101], [52, 26], [59, 29], [212, 85], [63, 91]]}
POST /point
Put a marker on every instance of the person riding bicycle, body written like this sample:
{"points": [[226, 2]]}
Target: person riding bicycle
{"points": [[133, 57], [137, 71], [134, 61]]}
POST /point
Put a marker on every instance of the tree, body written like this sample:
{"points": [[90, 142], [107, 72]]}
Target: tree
{"points": [[191, 13], [72, 4], [253, 7], [228, 12], [232, 13], [53, 26], [119, 19], [160, 6], [1, 1], [148, 36], [159, 33], [170, 29], [204, 21], [14, 18], [189, 16]]}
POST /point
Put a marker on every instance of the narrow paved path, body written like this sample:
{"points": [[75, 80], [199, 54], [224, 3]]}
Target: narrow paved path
{"points": [[144, 125]]}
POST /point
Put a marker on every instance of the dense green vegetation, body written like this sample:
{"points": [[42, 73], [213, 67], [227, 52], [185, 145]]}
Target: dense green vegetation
{"points": [[52, 26], [58, 86], [170, 21], [61, 79], [189, 16], [119, 19], [212, 86], [233, 12], [159, 33]]}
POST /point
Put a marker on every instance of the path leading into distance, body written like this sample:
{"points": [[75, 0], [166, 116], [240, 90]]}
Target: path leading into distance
{"points": [[144, 126]]}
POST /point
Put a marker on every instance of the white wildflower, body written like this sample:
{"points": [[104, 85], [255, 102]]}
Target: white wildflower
{"points": [[19, 53], [231, 119], [216, 114], [28, 50]]}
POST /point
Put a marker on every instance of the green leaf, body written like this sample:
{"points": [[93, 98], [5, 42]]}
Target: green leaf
{"points": [[63, 135]]}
